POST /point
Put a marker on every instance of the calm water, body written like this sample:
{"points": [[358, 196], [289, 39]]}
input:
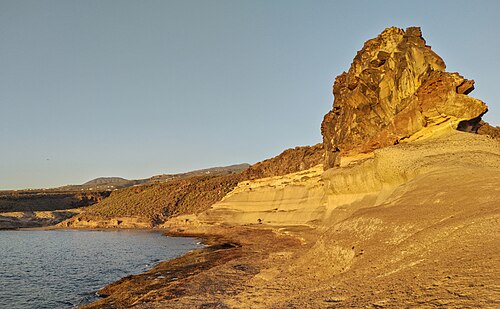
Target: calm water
{"points": [[63, 269]]}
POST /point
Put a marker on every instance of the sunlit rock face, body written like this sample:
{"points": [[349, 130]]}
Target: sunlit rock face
{"points": [[396, 86], [289, 161]]}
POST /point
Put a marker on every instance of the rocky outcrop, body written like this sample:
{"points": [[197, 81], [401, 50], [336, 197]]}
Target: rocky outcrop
{"points": [[289, 161], [489, 130], [31, 219], [98, 222], [396, 86]]}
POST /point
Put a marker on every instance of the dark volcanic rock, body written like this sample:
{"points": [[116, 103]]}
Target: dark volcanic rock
{"points": [[395, 87], [289, 161], [487, 129]]}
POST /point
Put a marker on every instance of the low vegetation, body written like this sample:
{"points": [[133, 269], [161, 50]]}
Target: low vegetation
{"points": [[158, 202]]}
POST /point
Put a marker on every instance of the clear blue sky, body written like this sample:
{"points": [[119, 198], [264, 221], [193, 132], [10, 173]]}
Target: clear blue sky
{"points": [[139, 88]]}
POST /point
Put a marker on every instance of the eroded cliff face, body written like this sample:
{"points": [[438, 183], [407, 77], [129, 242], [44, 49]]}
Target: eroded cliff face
{"points": [[292, 199], [395, 93], [318, 198], [38, 208], [395, 87], [31, 219]]}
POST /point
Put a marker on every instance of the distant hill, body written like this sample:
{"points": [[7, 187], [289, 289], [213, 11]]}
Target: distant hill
{"points": [[71, 196], [231, 169], [105, 180], [153, 197], [112, 183]]}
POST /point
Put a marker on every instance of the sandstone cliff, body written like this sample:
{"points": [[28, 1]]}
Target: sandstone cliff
{"points": [[310, 197], [396, 87], [395, 96]]}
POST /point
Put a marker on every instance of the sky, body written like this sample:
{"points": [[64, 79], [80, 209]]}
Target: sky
{"points": [[140, 88]]}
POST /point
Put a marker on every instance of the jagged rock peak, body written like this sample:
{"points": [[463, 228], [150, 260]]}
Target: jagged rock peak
{"points": [[396, 86]]}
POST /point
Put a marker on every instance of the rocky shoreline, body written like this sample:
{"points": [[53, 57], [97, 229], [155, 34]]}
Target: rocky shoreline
{"points": [[232, 257], [34, 219], [409, 229]]}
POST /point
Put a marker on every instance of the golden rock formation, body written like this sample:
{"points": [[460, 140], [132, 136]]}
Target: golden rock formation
{"points": [[395, 87]]}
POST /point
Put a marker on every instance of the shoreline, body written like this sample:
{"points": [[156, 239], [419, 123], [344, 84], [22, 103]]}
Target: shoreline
{"points": [[55, 227], [216, 250], [167, 271], [194, 278], [210, 243]]}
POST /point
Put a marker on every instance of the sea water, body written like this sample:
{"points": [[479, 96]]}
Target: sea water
{"points": [[65, 268]]}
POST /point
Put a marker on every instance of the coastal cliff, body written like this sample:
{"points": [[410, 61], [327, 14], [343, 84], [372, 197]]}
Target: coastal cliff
{"points": [[310, 196], [398, 207], [38, 208], [396, 86]]}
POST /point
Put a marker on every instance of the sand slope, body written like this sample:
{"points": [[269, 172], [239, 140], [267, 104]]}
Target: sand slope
{"points": [[426, 245]]}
